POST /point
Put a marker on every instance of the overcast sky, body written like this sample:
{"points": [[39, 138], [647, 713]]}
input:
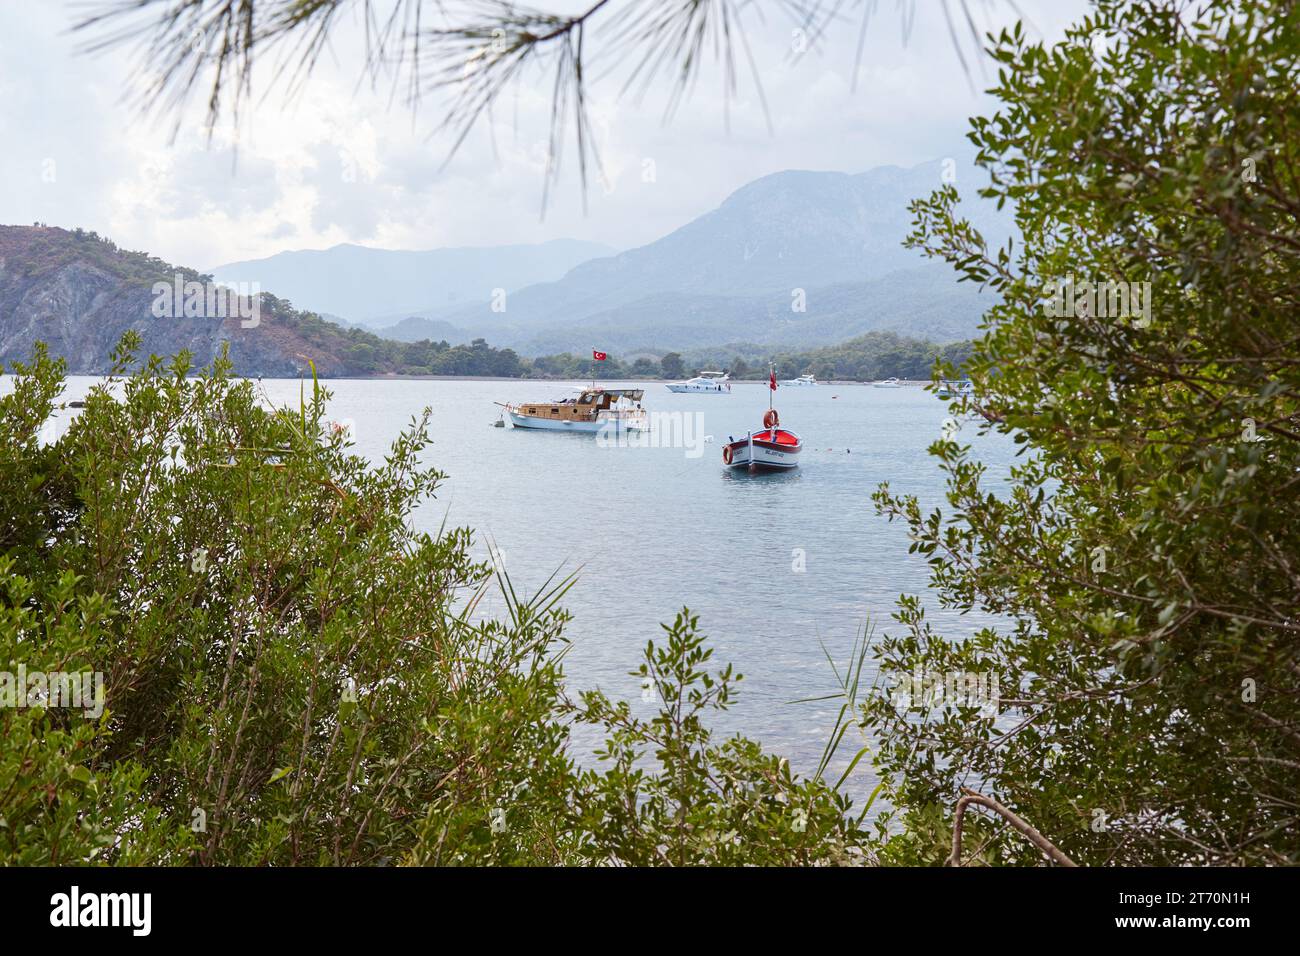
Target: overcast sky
{"points": [[344, 163]]}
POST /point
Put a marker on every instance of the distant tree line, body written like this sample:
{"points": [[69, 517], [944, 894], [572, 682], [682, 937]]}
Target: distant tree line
{"points": [[869, 357], [866, 358]]}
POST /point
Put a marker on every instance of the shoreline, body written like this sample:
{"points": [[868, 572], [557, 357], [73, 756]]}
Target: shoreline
{"points": [[497, 378], [502, 378]]}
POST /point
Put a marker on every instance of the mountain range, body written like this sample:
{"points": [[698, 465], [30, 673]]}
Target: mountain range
{"points": [[796, 259], [825, 241], [380, 287]]}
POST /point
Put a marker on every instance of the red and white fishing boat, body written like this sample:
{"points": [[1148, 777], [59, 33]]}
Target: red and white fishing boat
{"points": [[772, 449]]}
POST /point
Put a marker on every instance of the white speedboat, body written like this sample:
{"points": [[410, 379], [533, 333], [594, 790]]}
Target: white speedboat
{"points": [[801, 380], [888, 383], [711, 382], [962, 388], [593, 410]]}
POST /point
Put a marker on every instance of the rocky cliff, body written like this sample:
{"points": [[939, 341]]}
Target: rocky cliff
{"points": [[79, 293]]}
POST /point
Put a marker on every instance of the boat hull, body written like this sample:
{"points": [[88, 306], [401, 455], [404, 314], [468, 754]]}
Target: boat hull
{"points": [[956, 390], [702, 389], [761, 455], [605, 425]]}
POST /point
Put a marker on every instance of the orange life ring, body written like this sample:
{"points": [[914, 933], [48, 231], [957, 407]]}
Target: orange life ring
{"points": [[771, 419], [726, 454]]}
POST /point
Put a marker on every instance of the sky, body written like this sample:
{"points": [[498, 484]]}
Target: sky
{"points": [[343, 161]]}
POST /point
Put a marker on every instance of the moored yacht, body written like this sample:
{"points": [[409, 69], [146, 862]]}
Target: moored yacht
{"points": [[962, 388], [713, 382], [801, 380], [593, 410], [888, 383]]}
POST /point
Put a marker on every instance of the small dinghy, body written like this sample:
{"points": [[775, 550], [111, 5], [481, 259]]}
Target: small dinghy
{"points": [[772, 449]]}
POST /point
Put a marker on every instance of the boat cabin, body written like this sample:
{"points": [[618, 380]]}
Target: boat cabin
{"points": [[585, 408]]}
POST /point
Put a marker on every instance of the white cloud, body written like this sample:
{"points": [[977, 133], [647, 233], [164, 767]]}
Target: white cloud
{"points": [[341, 163]]}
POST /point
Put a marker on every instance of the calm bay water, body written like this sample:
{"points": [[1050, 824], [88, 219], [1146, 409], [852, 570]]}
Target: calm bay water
{"points": [[654, 529]]}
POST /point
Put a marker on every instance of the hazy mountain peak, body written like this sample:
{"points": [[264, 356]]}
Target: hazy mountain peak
{"points": [[786, 235], [366, 283]]}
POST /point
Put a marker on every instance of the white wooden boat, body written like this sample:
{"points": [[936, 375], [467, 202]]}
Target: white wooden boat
{"points": [[594, 410]]}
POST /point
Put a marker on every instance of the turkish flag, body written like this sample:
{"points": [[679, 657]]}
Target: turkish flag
{"points": [[771, 382], [598, 356]]}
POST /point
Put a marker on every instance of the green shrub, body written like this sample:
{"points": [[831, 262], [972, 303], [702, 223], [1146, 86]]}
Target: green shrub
{"points": [[294, 676]]}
